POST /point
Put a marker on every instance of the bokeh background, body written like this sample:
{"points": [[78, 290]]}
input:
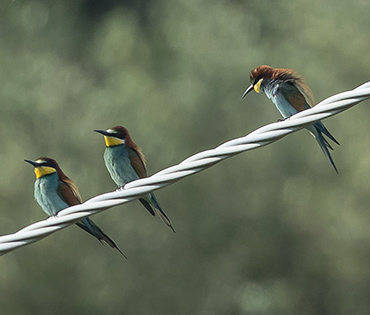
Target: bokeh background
{"points": [[271, 231]]}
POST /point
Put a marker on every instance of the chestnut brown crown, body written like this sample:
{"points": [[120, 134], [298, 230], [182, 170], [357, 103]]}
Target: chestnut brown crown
{"points": [[267, 72]]}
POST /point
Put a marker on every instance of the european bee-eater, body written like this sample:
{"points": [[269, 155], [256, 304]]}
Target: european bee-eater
{"points": [[291, 95], [54, 191], [125, 163]]}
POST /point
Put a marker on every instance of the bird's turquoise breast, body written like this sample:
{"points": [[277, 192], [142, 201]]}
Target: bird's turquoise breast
{"points": [[46, 194], [119, 166], [275, 92]]}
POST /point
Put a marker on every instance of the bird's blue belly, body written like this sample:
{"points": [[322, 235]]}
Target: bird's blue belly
{"points": [[46, 194], [281, 103], [118, 164], [283, 106]]}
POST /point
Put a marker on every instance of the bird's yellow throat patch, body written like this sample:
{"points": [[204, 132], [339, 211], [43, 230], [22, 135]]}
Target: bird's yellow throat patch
{"points": [[112, 141], [257, 86], [43, 170]]}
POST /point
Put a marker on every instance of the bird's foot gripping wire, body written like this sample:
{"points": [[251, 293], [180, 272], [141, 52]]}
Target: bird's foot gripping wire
{"points": [[283, 119], [52, 217], [120, 188]]}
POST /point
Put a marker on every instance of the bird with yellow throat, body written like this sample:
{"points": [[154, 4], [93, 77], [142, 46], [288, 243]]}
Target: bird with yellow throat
{"points": [[125, 162], [54, 191], [291, 95]]}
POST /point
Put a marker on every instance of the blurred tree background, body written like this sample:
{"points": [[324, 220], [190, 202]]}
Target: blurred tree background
{"points": [[272, 231]]}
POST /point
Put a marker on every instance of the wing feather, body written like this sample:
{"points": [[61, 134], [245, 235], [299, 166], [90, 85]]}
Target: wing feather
{"points": [[68, 191], [137, 161], [294, 95]]}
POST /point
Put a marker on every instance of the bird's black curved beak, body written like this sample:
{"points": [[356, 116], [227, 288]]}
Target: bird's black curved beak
{"points": [[250, 88], [103, 132], [33, 163]]}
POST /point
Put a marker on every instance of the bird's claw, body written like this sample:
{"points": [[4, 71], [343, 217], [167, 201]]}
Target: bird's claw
{"points": [[51, 217], [120, 188], [284, 119]]}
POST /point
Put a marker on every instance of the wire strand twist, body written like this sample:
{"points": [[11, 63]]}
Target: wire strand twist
{"points": [[192, 165]]}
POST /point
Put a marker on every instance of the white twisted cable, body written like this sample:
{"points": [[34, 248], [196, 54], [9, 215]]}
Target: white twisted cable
{"points": [[194, 164]]}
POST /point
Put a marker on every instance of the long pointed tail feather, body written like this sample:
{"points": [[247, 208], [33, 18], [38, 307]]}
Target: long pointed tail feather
{"points": [[166, 220], [162, 215], [324, 145], [147, 206], [90, 227], [320, 127], [327, 143]]}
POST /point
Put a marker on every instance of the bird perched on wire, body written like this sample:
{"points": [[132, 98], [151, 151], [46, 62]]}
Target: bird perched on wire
{"points": [[291, 95], [54, 191], [125, 163]]}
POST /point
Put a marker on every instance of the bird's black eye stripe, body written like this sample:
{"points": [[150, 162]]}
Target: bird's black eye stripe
{"points": [[48, 163], [119, 135], [256, 79]]}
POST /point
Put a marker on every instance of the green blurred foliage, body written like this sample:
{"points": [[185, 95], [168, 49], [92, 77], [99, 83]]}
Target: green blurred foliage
{"points": [[271, 231]]}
